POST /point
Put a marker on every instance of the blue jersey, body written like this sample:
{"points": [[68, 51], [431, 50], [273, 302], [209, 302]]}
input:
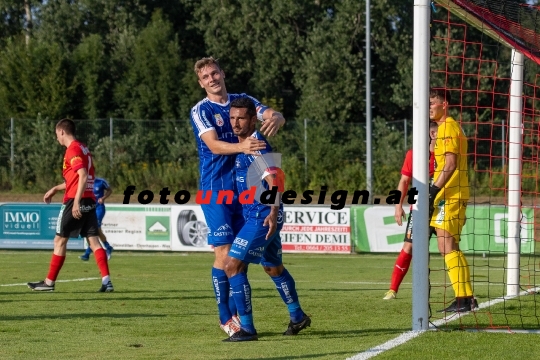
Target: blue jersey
{"points": [[100, 185], [242, 164], [216, 171]]}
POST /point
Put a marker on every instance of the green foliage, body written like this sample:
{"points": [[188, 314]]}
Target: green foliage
{"points": [[38, 163], [267, 39], [155, 176], [34, 80], [330, 75], [92, 67], [12, 15], [149, 89], [388, 155], [100, 59]]}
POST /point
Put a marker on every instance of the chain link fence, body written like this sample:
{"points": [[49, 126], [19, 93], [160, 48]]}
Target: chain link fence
{"points": [[152, 154]]}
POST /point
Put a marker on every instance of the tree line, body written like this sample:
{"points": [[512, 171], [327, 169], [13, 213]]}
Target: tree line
{"points": [[100, 59]]}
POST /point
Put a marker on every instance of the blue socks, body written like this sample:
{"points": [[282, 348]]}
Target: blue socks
{"points": [[287, 289], [242, 298], [221, 290], [232, 303]]}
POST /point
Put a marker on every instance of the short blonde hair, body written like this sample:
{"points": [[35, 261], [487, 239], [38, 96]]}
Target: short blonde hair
{"points": [[204, 62]]}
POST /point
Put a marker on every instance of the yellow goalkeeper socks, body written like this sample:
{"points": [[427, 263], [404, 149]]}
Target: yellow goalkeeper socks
{"points": [[465, 274], [452, 263], [459, 274]]}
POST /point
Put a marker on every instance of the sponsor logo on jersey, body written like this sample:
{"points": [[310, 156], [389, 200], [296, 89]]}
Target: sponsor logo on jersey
{"points": [[224, 227], [90, 184], [440, 217], [255, 253], [222, 233], [241, 243], [219, 120], [87, 208], [223, 230], [280, 217]]}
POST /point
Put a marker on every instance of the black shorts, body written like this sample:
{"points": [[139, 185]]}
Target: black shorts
{"points": [[87, 225], [409, 230]]}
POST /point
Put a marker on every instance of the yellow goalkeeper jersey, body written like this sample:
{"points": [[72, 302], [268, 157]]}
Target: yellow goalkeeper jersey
{"points": [[452, 139]]}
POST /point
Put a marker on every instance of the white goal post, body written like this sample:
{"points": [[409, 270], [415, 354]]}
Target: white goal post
{"points": [[421, 86], [421, 71]]}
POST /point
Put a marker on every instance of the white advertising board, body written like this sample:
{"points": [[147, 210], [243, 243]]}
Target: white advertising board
{"points": [[189, 229], [138, 227], [307, 229], [316, 229]]}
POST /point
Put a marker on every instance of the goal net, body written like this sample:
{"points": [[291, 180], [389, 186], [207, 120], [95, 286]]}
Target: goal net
{"points": [[477, 48]]}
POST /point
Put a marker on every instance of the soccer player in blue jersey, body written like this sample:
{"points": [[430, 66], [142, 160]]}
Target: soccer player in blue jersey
{"points": [[258, 241], [216, 144], [102, 191]]}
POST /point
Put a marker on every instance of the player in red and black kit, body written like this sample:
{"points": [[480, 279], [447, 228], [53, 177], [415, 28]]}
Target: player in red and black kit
{"points": [[78, 213], [405, 256]]}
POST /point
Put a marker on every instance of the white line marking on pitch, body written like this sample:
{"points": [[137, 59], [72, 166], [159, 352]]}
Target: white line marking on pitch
{"points": [[403, 283], [58, 281], [409, 335]]}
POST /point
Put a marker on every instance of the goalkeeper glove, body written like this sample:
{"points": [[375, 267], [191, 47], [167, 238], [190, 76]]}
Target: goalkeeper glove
{"points": [[433, 191]]}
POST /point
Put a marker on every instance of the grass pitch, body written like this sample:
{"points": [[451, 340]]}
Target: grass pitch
{"points": [[163, 308]]}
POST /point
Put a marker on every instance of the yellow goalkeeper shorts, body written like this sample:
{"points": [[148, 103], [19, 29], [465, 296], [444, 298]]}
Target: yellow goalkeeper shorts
{"points": [[449, 215]]}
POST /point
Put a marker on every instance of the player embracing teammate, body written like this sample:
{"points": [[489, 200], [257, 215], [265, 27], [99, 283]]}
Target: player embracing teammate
{"points": [[217, 144]]}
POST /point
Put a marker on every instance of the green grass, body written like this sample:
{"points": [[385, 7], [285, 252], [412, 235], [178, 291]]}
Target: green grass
{"points": [[163, 308]]}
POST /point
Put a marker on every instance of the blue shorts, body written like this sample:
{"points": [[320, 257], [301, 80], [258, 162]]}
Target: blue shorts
{"points": [[251, 246], [100, 213], [224, 220]]}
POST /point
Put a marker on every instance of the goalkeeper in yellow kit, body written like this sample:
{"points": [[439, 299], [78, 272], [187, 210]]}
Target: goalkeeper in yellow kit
{"points": [[448, 198]]}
